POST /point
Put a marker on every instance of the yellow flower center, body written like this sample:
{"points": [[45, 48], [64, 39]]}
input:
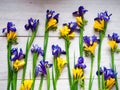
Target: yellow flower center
{"points": [[61, 63], [18, 64], [113, 44], [11, 35], [78, 73], [90, 48], [109, 83], [27, 84], [71, 35], [64, 31], [79, 21], [99, 25], [52, 23]]}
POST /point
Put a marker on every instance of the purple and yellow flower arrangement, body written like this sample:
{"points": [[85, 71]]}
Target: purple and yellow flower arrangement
{"points": [[17, 59]]}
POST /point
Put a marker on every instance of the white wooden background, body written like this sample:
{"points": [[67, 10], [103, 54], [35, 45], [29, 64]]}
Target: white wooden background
{"points": [[19, 11]]}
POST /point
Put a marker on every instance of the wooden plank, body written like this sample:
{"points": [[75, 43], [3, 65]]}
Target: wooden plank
{"points": [[19, 11], [105, 59], [60, 85]]}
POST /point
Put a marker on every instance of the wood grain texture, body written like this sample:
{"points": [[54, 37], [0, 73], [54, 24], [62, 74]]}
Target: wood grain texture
{"points": [[19, 11]]}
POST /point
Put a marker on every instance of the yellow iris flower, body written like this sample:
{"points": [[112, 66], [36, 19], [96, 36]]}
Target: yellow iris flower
{"points": [[61, 63], [64, 31], [109, 83], [78, 73], [52, 23], [79, 21], [71, 35], [27, 84], [18, 64], [11, 35], [113, 44], [99, 25], [90, 48]]}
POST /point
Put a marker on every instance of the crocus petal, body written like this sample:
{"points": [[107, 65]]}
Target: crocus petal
{"points": [[18, 64], [99, 25], [113, 44], [110, 82]]}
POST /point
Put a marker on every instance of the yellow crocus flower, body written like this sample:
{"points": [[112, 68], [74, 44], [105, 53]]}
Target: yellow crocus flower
{"points": [[99, 25], [27, 84], [113, 44], [61, 63], [78, 73], [109, 83], [71, 35], [64, 31], [11, 35], [90, 48], [52, 23], [18, 64], [79, 21]]}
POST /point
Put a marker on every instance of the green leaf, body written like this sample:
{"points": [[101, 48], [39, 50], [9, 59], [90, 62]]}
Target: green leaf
{"points": [[28, 45]]}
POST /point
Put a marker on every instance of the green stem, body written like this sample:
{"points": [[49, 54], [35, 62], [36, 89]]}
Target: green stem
{"points": [[28, 45], [41, 82], [81, 48], [14, 82], [35, 58], [116, 83], [67, 44], [53, 79], [112, 60], [45, 44], [9, 46], [57, 73], [99, 57], [76, 85], [81, 42], [113, 67], [24, 69], [48, 79], [103, 82], [46, 34], [91, 71]]}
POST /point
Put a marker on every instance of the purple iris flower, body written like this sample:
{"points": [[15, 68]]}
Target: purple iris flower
{"points": [[50, 14], [56, 50], [101, 71], [15, 55], [80, 63], [87, 40], [72, 26], [37, 49], [81, 11], [41, 68], [103, 15], [10, 27], [32, 24], [114, 37], [108, 73]]}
